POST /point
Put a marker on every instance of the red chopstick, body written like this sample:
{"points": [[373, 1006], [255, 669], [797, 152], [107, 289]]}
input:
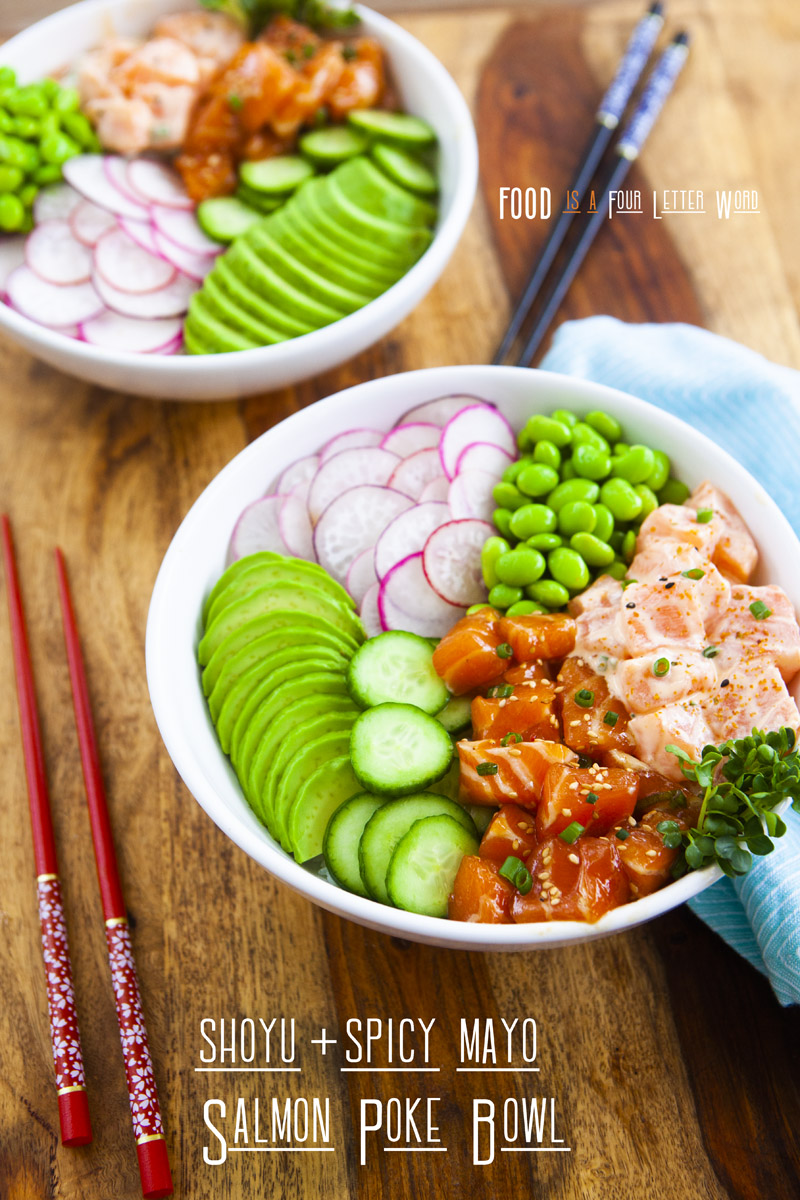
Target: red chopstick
{"points": [[73, 1107], [147, 1127]]}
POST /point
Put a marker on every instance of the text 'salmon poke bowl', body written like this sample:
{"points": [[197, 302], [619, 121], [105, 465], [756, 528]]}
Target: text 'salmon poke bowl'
{"points": [[474, 656], [204, 201]]}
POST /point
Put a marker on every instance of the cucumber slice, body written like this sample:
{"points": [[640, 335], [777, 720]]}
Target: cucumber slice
{"points": [[328, 147], [393, 127], [450, 784], [424, 865], [456, 714], [482, 816], [276, 176], [398, 749], [396, 666], [317, 800], [384, 831], [342, 837], [405, 169], [224, 217]]}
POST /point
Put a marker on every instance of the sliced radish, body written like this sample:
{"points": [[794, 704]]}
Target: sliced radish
{"points": [[12, 255], [479, 423], [183, 229], [352, 439], [172, 347], [131, 334], [129, 268], [407, 601], [52, 304], [155, 183], [116, 169], [297, 472], [170, 301], [89, 223], [437, 489], [258, 529], [56, 255], [406, 440], [441, 410], [370, 613], [407, 534], [141, 232], [295, 524], [87, 175], [361, 575], [483, 456], [414, 473], [346, 470], [452, 561], [471, 495], [196, 266], [55, 202], [353, 522]]}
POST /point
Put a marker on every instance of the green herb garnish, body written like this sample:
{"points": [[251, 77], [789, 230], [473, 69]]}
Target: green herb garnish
{"points": [[516, 737], [661, 667], [710, 652], [504, 650], [611, 718], [704, 515], [621, 834], [487, 768], [502, 691], [235, 102], [591, 797], [695, 573], [254, 15], [571, 833], [584, 698], [759, 610], [515, 871]]}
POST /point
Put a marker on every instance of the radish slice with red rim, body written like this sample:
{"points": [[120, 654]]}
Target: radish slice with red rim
{"points": [[56, 255], [348, 469], [258, 529], [479, 423], [155, 183], [89, 223], [471, 495], [12, 255], [437, 489], [183, 229], [406, 440], [196, 266], [352, 523], [116, 169], [407, 601], [369, 612], [170, 301], [483, 456], [52, 304], [440, 410], [174, 346], [55, 202], [140, 232], [414, 473], [129, 268], [297, 472], [351, 439], [452, 561], [361, 575], [131, 334], [86, 173], [295, 524], [407, 534]]}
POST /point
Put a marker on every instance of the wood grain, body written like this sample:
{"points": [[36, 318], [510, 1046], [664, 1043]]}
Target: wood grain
{"points": [[675, 1072]]}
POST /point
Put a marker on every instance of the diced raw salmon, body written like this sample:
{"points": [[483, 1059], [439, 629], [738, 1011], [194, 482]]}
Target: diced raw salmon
{"points": [[564, 799], [662, 614], [640, 690], [662, 560], [320, 76], [750, 695], [679, 522], [362, 82], [651, 782], [529, 711], [539, 635], [645, 859], [158, 60], [171, 108], [521, 769], [572, 883], [529, 672], [121, 124], [511, 831], [211, 35], [466, 657], [480, 894], [586, 728], [775, 637], [596, 613], [683, 724], [735, 552]]}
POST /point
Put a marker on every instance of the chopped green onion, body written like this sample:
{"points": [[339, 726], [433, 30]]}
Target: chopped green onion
{"points": [[517, 737], [503, 691], [611, 719], [591, 797], [571, 833], [621, 834], [487, 768], [515, 871], [704, 515], [584, 698], [759, 610], [710, 652], [695, 573], [585, 760], [661, 667], [235, 102], [504, 650]]}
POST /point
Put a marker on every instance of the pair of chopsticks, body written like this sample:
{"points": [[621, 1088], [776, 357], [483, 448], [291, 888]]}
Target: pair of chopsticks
{"points": [[607, 118], [70, 1080]]}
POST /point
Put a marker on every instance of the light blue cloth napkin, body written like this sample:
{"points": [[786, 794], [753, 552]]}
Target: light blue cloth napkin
{"points": [[751, 407]]}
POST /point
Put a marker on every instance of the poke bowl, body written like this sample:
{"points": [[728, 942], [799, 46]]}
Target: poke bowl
{"points": [[201, 552], [147, 272]]}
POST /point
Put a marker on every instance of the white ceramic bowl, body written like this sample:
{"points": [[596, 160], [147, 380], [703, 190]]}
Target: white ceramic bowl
{"points": [[425, 88], [196, 558]]}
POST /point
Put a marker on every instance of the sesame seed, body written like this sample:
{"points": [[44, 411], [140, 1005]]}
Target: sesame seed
{"points": [[652, 853], [555, 900], [573, 858], [543, 897], [567, 812], [515, 845], [543, 875], [631, 821], [554, 891]]}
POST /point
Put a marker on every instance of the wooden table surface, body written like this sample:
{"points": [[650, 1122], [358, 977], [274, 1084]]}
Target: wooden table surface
{"points": [[673, 1070]]}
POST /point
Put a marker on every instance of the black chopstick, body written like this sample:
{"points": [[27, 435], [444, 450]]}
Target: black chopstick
{"points": [[659, 85], [607, 118]]}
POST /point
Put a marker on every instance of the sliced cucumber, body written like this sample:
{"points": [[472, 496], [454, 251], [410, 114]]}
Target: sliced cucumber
{"points": [[393, 127], [389, 825], [342, 837], [265, 574], [399, 667], [263, 708], [405, 169], [482, 816], [276, 176], [398, 749], [309, 760], [328, 147], [317, 800], [456, 714], [234, 571], [424, 865], [290, 745], [224, 217]]}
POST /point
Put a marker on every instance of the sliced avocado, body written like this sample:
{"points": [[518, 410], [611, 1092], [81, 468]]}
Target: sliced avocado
{"points": [[253, 271], [224, 308], [268, 248], [254, 304], [264, 573], [370, 189], [215, 333], [248, 732], [305, 763], [316, 802]]}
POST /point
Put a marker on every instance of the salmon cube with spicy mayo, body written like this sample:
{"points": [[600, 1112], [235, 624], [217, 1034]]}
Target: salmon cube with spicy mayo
{"points": [[761, 621], [466, 657], [493, 774], [662, 677], [668, 613], [683, 724], [735, 552], [596, 612], [681, 523], [750, 695]]}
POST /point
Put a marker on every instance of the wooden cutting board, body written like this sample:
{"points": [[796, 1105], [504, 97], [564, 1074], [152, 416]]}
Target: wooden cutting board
{"points": [[673, 1071]]}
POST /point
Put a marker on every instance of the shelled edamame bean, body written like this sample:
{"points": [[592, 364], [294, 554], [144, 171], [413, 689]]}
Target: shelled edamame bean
{"points": [[569, 508], [41, 126]]}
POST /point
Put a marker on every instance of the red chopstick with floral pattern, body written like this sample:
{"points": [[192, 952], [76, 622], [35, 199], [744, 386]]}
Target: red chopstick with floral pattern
{"points": [[145, 1112], [73, 1108]]}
